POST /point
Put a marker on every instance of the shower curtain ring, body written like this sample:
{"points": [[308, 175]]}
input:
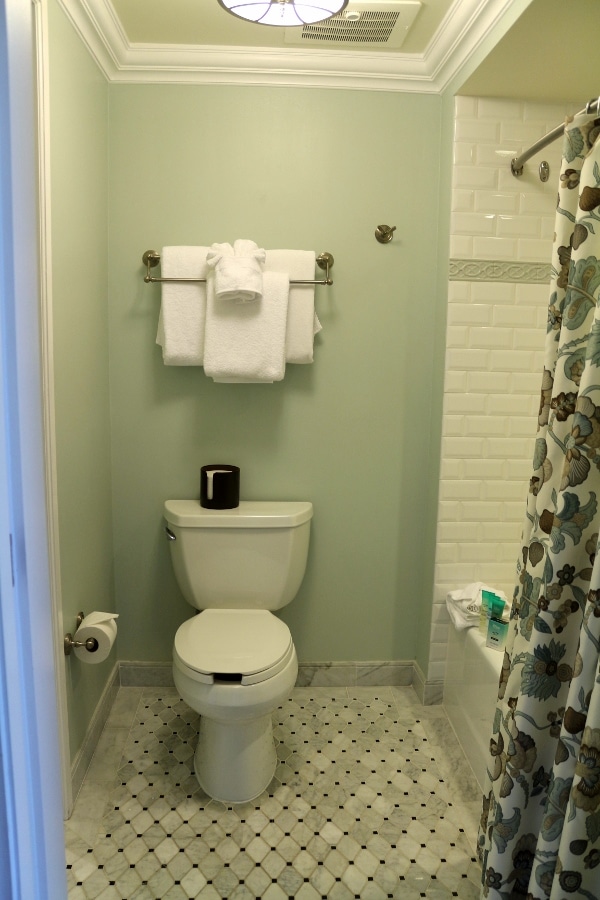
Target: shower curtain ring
{"points": [[595, 101]]}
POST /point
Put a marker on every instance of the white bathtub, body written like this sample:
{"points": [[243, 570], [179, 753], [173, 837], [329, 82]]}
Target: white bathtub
{"points": [[470, 691]]}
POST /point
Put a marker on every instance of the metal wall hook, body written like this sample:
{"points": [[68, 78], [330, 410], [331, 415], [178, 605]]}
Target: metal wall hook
{"points": [[385, 233]]}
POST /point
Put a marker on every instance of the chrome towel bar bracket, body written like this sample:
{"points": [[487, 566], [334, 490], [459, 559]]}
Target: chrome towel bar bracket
{"points": [[151, 258]]}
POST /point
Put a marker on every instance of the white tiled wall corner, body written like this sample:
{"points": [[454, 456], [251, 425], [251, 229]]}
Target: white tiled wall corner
{"points": [[494, 350], [497, 215]]}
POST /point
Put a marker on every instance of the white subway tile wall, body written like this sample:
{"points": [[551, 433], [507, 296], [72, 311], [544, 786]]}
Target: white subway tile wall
{"points": [[494, 350]]}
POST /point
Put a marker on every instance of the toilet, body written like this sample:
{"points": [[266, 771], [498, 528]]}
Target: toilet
{"points": [[235, 662]]}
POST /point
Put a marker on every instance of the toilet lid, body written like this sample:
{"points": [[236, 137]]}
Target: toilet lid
{"points": [[232, 641]]}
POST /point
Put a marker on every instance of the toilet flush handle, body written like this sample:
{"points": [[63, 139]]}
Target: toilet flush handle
{"points": [[170, 534]]}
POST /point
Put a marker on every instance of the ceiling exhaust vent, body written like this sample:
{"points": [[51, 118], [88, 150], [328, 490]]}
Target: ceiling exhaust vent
{"points": [[365, 23]]}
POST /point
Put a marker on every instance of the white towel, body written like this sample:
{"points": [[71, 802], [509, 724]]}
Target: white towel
{"points": [[302, 322], [464, 604], [238, 270], [183, 307], [246, 341]]}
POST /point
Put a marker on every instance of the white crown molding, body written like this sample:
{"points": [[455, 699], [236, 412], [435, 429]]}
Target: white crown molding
{"points": [[464, 28], [99, 29], [466, 25], [268, 66]]}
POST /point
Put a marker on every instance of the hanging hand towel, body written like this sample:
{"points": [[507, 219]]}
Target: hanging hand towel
{"points": [[238, 270], [246, 341], [302, 322], [183, 307]]}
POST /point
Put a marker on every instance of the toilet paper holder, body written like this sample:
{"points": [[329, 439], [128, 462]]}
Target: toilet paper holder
{"points": [[91, 644]]}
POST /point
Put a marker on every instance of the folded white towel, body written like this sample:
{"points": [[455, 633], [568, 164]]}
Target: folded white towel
{"points": [[242, 247], [238, 270], [183, 307], [302, 321], [246, 341]]}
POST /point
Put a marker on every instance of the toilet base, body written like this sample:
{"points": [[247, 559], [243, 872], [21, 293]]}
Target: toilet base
{"points": [[235, 762]]}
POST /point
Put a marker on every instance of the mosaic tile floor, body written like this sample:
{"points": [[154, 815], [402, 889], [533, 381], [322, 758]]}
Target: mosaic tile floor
{"points": [[372, 798]]}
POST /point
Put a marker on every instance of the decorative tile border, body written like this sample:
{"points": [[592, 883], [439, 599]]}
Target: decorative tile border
{"points": [[497, 270]]}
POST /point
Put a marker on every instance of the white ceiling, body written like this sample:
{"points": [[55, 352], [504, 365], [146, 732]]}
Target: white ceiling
{"points": [[206, 22], [195, 41], [549, 53]]}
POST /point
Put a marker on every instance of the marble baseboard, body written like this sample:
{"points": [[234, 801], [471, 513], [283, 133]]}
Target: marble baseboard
{"points": [[146, 674], [429, 693], [310, 674], [83, 757], [351, 674]]}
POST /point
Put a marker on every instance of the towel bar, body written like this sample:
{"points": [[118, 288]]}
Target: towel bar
{"points": [[151, 258]]}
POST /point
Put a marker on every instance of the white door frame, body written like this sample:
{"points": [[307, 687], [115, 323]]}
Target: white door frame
{"points": [[29, 729], [47, 357]]}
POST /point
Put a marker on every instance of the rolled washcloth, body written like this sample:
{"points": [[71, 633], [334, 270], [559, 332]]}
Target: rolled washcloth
{"points": [[183, 307], [238, 270], [246, 341], [302, 321]]}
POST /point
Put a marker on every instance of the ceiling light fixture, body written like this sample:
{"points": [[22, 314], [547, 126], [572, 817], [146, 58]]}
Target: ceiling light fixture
{"points": [[284, 13]]}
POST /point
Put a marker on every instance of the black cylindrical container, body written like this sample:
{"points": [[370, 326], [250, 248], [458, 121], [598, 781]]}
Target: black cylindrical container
{"points": [[219, 486]]}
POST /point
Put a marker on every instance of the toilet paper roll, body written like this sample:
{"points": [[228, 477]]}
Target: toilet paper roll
{"points": [[102, 627]]}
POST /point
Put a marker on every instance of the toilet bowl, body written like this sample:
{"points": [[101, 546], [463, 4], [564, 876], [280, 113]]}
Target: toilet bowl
{"points": [[235, 757], [234, 663]]}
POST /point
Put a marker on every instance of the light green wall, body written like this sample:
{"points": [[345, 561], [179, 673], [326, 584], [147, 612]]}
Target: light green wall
{"points": [[353, 432], [79, 188], [357, 433]]}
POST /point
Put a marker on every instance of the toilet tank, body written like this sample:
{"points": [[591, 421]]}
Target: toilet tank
{"points": [[250, 557]]}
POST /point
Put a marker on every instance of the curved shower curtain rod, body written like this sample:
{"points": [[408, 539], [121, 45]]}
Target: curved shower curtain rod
{"points": [[516, 164]]}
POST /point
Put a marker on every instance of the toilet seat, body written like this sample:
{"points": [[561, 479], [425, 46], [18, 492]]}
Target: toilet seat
{"points": [[250, 643]]}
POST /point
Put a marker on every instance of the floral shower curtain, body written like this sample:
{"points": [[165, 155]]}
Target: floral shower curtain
{"points": [[540, 827]]}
